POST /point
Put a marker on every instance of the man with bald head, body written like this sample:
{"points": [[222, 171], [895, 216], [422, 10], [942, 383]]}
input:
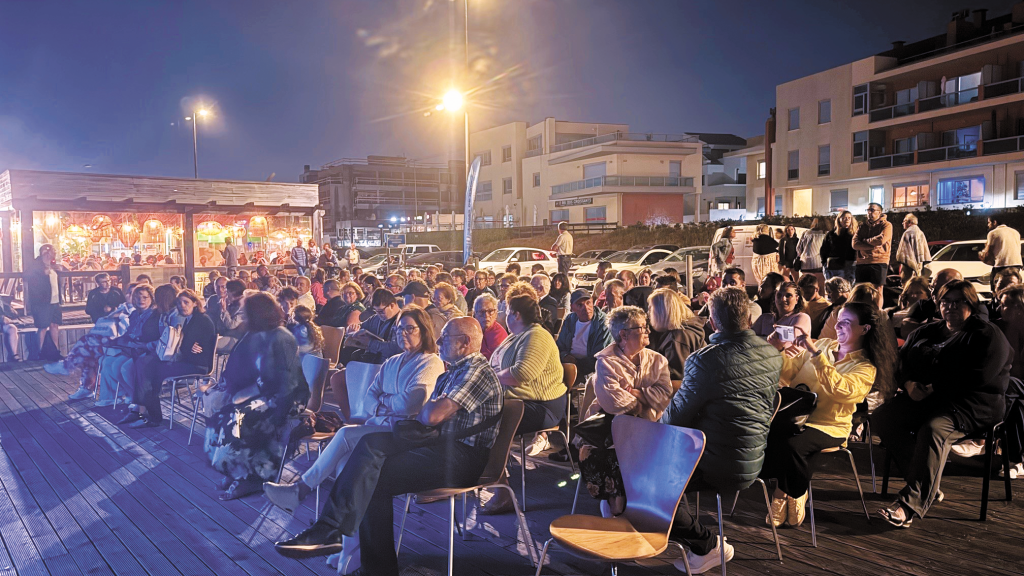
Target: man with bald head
{"points": [[926, 311], [466, 404]]}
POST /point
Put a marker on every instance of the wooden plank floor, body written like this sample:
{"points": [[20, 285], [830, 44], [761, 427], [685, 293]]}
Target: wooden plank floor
{"points": [[79, 495]]}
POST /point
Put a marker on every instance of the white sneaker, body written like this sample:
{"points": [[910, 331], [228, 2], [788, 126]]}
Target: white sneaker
{"points": [[102, 403], [969, 448], [1016, 471], [56, 368], [80, 394], [713, 559], [540, 443]]}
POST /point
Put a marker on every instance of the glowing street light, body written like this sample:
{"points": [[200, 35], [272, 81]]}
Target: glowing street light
{"points": [[452, 101], [195, 136]]}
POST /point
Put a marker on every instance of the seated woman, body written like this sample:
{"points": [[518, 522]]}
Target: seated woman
{"points": [[1011, 322], [676, 330], [766, 290], [863, 292], [485, 310], [954, 374], [143, 329], [914, 291], [352, 298], [263, 378], [307, 334], [194, 356], [529, 369], [444, 301], [841, 372], [787, 310], [630, 378], [316, 288]]}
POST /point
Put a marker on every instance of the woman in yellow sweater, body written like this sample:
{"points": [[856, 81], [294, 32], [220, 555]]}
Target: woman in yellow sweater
{"points": [[841, 372]]}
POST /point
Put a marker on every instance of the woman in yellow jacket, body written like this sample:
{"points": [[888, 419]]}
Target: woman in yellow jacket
{"points": [[841, 372]]}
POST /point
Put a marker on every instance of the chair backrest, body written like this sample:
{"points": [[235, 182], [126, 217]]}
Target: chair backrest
{"points": [[358, 377], [314, 368], [511, 414], [656, 461], [332, 343], [589, 393]]}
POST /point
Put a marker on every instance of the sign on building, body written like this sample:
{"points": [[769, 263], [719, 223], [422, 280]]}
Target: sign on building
{"points": [[395, 240], [573, 202]]}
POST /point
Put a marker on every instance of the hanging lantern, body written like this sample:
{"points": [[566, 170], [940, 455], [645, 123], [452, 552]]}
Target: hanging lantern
{"points": [[279, 235], [128, 234], [101, 229], [210, 228], [152, 231], [51, 226], [258, 226], [76, 232]]}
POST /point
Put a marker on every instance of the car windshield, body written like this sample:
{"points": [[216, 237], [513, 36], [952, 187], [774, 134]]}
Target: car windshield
{"points": [[959, 253], [374, 260], [626, 257], [680, 255], [591, 254], [498, 255]]}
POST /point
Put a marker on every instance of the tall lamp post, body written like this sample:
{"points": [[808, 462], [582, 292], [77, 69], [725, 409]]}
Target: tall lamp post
{"points": [[195, 137]]}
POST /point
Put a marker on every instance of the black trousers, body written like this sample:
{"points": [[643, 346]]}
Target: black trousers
{"points": [[564, 264], [686, 527], [919, 438], [540, 415], [789, 453], [584, 367], [150, 373], [380, 469], [873, 273]]}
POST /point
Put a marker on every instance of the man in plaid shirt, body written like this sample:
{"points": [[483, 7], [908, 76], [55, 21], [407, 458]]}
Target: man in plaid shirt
{"points": [[466, 395]]}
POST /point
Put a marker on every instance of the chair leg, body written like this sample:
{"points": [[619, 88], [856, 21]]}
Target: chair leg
{"points": [[768, 507], [615, 570], [1006, 464], [568, 455], [682, 554], [810, 502], [696, 511], [527, 537], [401, 527], [721, 531], [318, 502], [451, 534], [174, 392], [734, 502], [856, 478], [465, 526], [871, 456], [522, 468], [195, 413], [543, 555], [987, 474], [575, 499]]}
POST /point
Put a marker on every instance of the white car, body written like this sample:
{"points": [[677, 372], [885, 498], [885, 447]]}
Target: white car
{"points": [[677, 260], [632, 260], [374, 264], [498, 260], [963, 257]]}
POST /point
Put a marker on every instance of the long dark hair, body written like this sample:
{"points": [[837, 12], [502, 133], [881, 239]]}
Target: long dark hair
{"points": [[799, 299], [879, 345]]}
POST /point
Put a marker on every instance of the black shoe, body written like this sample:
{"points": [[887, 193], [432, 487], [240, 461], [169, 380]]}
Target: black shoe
{"points": [[146, 423], [317, 540], [131, 418], [563, 456]]}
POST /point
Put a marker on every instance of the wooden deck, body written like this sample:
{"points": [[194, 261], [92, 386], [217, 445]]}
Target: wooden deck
{"points": [[78, 495]]}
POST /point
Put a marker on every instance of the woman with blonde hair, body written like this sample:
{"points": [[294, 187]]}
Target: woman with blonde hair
{"points": [[766, 255], [675, 330], [837, 255]]}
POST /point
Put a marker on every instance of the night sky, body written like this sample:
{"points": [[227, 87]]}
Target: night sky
{"points": [[104, 86]]}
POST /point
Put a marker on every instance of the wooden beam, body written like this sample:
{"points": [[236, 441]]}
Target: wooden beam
{"points": [[188, 235], [6, 254]]}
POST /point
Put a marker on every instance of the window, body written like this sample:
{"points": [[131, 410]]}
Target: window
{"points": [[762, 170], [1018, 192], [824, 111], [760, 206], [824, 160], [909, 195], [506, 153], [594, 170], [965, 140], [876, 194], [794, 164], [860, 99], [675, 168], [597, 214], [961, 90], [483, 190], [485, 158], [559, 216], [506, 185], [536, 179], [839, 200], [535, 145], [965, 190], [723, 205], [794, 118], [860, 146], [778, 204]]}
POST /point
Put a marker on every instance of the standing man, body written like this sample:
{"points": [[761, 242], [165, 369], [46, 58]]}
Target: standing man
{"points": [[352, 256], [231, 257], [1002, 247], [299, 257], [563, 248], [913, 250], [873, 243]]}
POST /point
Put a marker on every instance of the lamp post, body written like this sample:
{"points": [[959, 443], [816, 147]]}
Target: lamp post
{"points": [[195, 137]]}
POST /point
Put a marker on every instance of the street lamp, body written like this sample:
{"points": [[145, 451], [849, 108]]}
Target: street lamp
{"points": [[195, 137]]}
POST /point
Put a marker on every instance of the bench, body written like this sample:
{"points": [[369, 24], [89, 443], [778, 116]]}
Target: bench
{"points": [[28, 343]]}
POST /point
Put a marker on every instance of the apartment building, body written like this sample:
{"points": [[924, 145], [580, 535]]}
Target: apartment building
{"points": [[938, 122], [579, 172], [723, 177], [360, 197]]}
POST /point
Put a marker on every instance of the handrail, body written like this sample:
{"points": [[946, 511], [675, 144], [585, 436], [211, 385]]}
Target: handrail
{"points": [[621, 181], [628, 136]]}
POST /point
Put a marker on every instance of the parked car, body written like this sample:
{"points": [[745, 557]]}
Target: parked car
{"points": [[590, 257], [374, 264], [526, 257], [677, 260], [407, 250], [447, 258], [669, 247], [632, 260], [963, 257]]}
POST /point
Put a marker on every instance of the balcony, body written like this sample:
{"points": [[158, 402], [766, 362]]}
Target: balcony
{"points": [[622, 181], [947, 153], [534, 152], [950, 100], [623, 136]]}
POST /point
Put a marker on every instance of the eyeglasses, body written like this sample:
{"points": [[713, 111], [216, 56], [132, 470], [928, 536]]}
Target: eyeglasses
{"points": [[952, 303], [380, 311], [642, 329], [444, 337], [409, 329], [487, 311]]}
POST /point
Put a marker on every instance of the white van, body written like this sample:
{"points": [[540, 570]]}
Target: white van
{"points": [[407, 250], [744, 248]]}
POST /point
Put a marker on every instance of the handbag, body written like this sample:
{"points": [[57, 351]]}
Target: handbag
{"points": [[411, 434], [169, 343], [596, 430]]}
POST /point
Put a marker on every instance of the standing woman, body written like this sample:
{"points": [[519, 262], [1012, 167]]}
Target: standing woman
{"points": [[837, 254], [788, 254], [263, 379], [766, 252], [809, 248], [42, 291]]}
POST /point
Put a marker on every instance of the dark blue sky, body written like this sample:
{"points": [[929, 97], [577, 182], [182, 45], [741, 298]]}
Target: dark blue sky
{"points": [[108, 83]]}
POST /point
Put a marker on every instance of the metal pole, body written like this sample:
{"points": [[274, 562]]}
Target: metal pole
{"points": [[689, 275], [195, 145]]}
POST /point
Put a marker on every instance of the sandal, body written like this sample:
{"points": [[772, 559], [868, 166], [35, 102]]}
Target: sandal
{"points": [[890, 515], [224, 483], [241, 489]]}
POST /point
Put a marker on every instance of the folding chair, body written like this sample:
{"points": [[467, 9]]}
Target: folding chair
{"points": [[332, 343]]}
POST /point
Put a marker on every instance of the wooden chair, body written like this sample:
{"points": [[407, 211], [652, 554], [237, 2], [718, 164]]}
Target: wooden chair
{"points": [[492, 477], [657, 462], [332, 343]]}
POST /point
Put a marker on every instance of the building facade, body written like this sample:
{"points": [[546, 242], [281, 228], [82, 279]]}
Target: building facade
{"points": [[578, 172], [362, 197], [938, 123], [723, 178]]}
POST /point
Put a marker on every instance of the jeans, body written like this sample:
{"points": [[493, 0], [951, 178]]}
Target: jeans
{"points": [[847, 272], [687, 528], [564, 264], [377, 471]]}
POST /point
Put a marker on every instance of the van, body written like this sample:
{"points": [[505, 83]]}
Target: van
{"points": [[407, 250], [744, 249]]}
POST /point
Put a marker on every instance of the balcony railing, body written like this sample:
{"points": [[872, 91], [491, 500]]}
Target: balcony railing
{"points": [[1004, 88], [627, 136], [891, 161], [942, 154], [534, 152], [949, 100], [621, 181], [1003, 145]]}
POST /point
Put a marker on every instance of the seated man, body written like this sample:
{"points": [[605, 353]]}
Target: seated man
{"points": [[467, 396], [732, 277], [334, 305], [375, 341], [542, 284], [582, 336], [731, 402]]}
